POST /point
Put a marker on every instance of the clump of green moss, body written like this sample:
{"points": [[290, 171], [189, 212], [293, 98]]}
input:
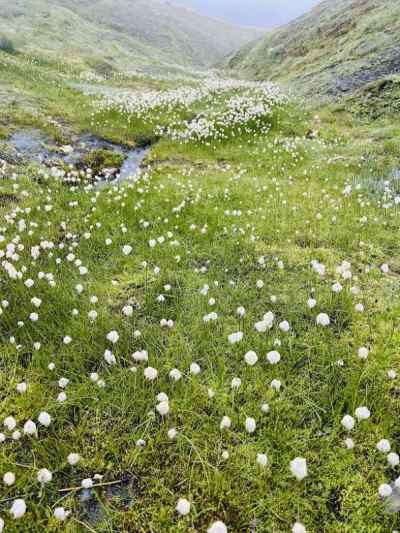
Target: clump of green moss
{"points": [[97, 160]]}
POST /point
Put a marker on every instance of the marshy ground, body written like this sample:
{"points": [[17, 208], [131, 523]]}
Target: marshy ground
{"points": [[193, 329]]}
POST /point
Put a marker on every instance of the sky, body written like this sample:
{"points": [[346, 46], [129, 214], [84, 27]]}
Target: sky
{"points": [[262, 13]]}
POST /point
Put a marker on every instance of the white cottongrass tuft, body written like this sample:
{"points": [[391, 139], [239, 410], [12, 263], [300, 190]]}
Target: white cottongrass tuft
{"points": [[163, 408], [385, 490], [73, 459], [18, 508], [298, 467], [393, 459], [217, 527], [150, 373], [183, 506], [44, 419], [383, 446], [233, 338], [250, 425], [113, 337], [363, 352], [323, 319], [273, 357], [127, 249], [87, 483], [251, 358], [60, 514], [298, 528], [225, 423], [30, 428], [362, 413], [348, 422], [9, 479], [44, 476], [262, 459]]}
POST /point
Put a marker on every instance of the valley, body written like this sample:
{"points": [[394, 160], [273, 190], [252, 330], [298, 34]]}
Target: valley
{"points": [[199, 294]]}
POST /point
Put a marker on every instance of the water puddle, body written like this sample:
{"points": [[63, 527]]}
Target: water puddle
{"points": [[95, 503], [30, 144]]}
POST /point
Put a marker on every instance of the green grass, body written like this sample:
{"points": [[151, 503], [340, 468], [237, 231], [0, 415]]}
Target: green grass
{"points": [[281, 183]]}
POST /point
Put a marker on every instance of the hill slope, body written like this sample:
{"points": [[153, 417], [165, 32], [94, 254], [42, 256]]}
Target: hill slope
{"points": [[123, 32], [338, 46]]}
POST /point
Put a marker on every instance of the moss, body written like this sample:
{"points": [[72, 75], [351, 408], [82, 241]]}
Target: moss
{"points": [[98, 160]]}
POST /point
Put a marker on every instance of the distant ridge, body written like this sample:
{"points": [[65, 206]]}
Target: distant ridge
{"points": [[338, 47], [120, 32]]}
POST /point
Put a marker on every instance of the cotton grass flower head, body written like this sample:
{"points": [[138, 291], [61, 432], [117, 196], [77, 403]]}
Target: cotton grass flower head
{"points": [[349, 443], [44, 476], [217, 527], [276, 385], [60, 514], [393, 459], [127, 310], [251, 358], [163, 408], [262, 459], [175, 374], [298, 467], [30, 428], [233, 338], [150, 373], [127, 249], [348, 422], [273, 357], [183, 507], [311, 302], [250, 425], [194, 369], [225, 423], [383, 446], [323, 319], [113, 337], [363, 352], [298, 528], [362, 413], [44, 419], [385, 490], [236, 383], [18, 508], [10, 423], [21, 387], [87, 483], [284, 326], [73, 459], [9, 479], [172, 433]]}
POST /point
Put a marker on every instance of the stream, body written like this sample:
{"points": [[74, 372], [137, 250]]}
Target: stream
{"points": [[34, 146]]}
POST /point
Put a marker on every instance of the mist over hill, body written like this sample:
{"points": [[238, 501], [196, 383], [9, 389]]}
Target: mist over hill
{"points": [[120, 32]]}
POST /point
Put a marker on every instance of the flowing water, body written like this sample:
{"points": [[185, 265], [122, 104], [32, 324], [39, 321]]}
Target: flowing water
{"points": [[33, 145]]}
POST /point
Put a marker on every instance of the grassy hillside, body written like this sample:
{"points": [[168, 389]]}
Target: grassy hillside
{"points": [[337, 47], [122, 33]]}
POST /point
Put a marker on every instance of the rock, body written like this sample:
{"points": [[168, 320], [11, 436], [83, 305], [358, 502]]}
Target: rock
{"points": [[67, 149], [109, 172]]}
